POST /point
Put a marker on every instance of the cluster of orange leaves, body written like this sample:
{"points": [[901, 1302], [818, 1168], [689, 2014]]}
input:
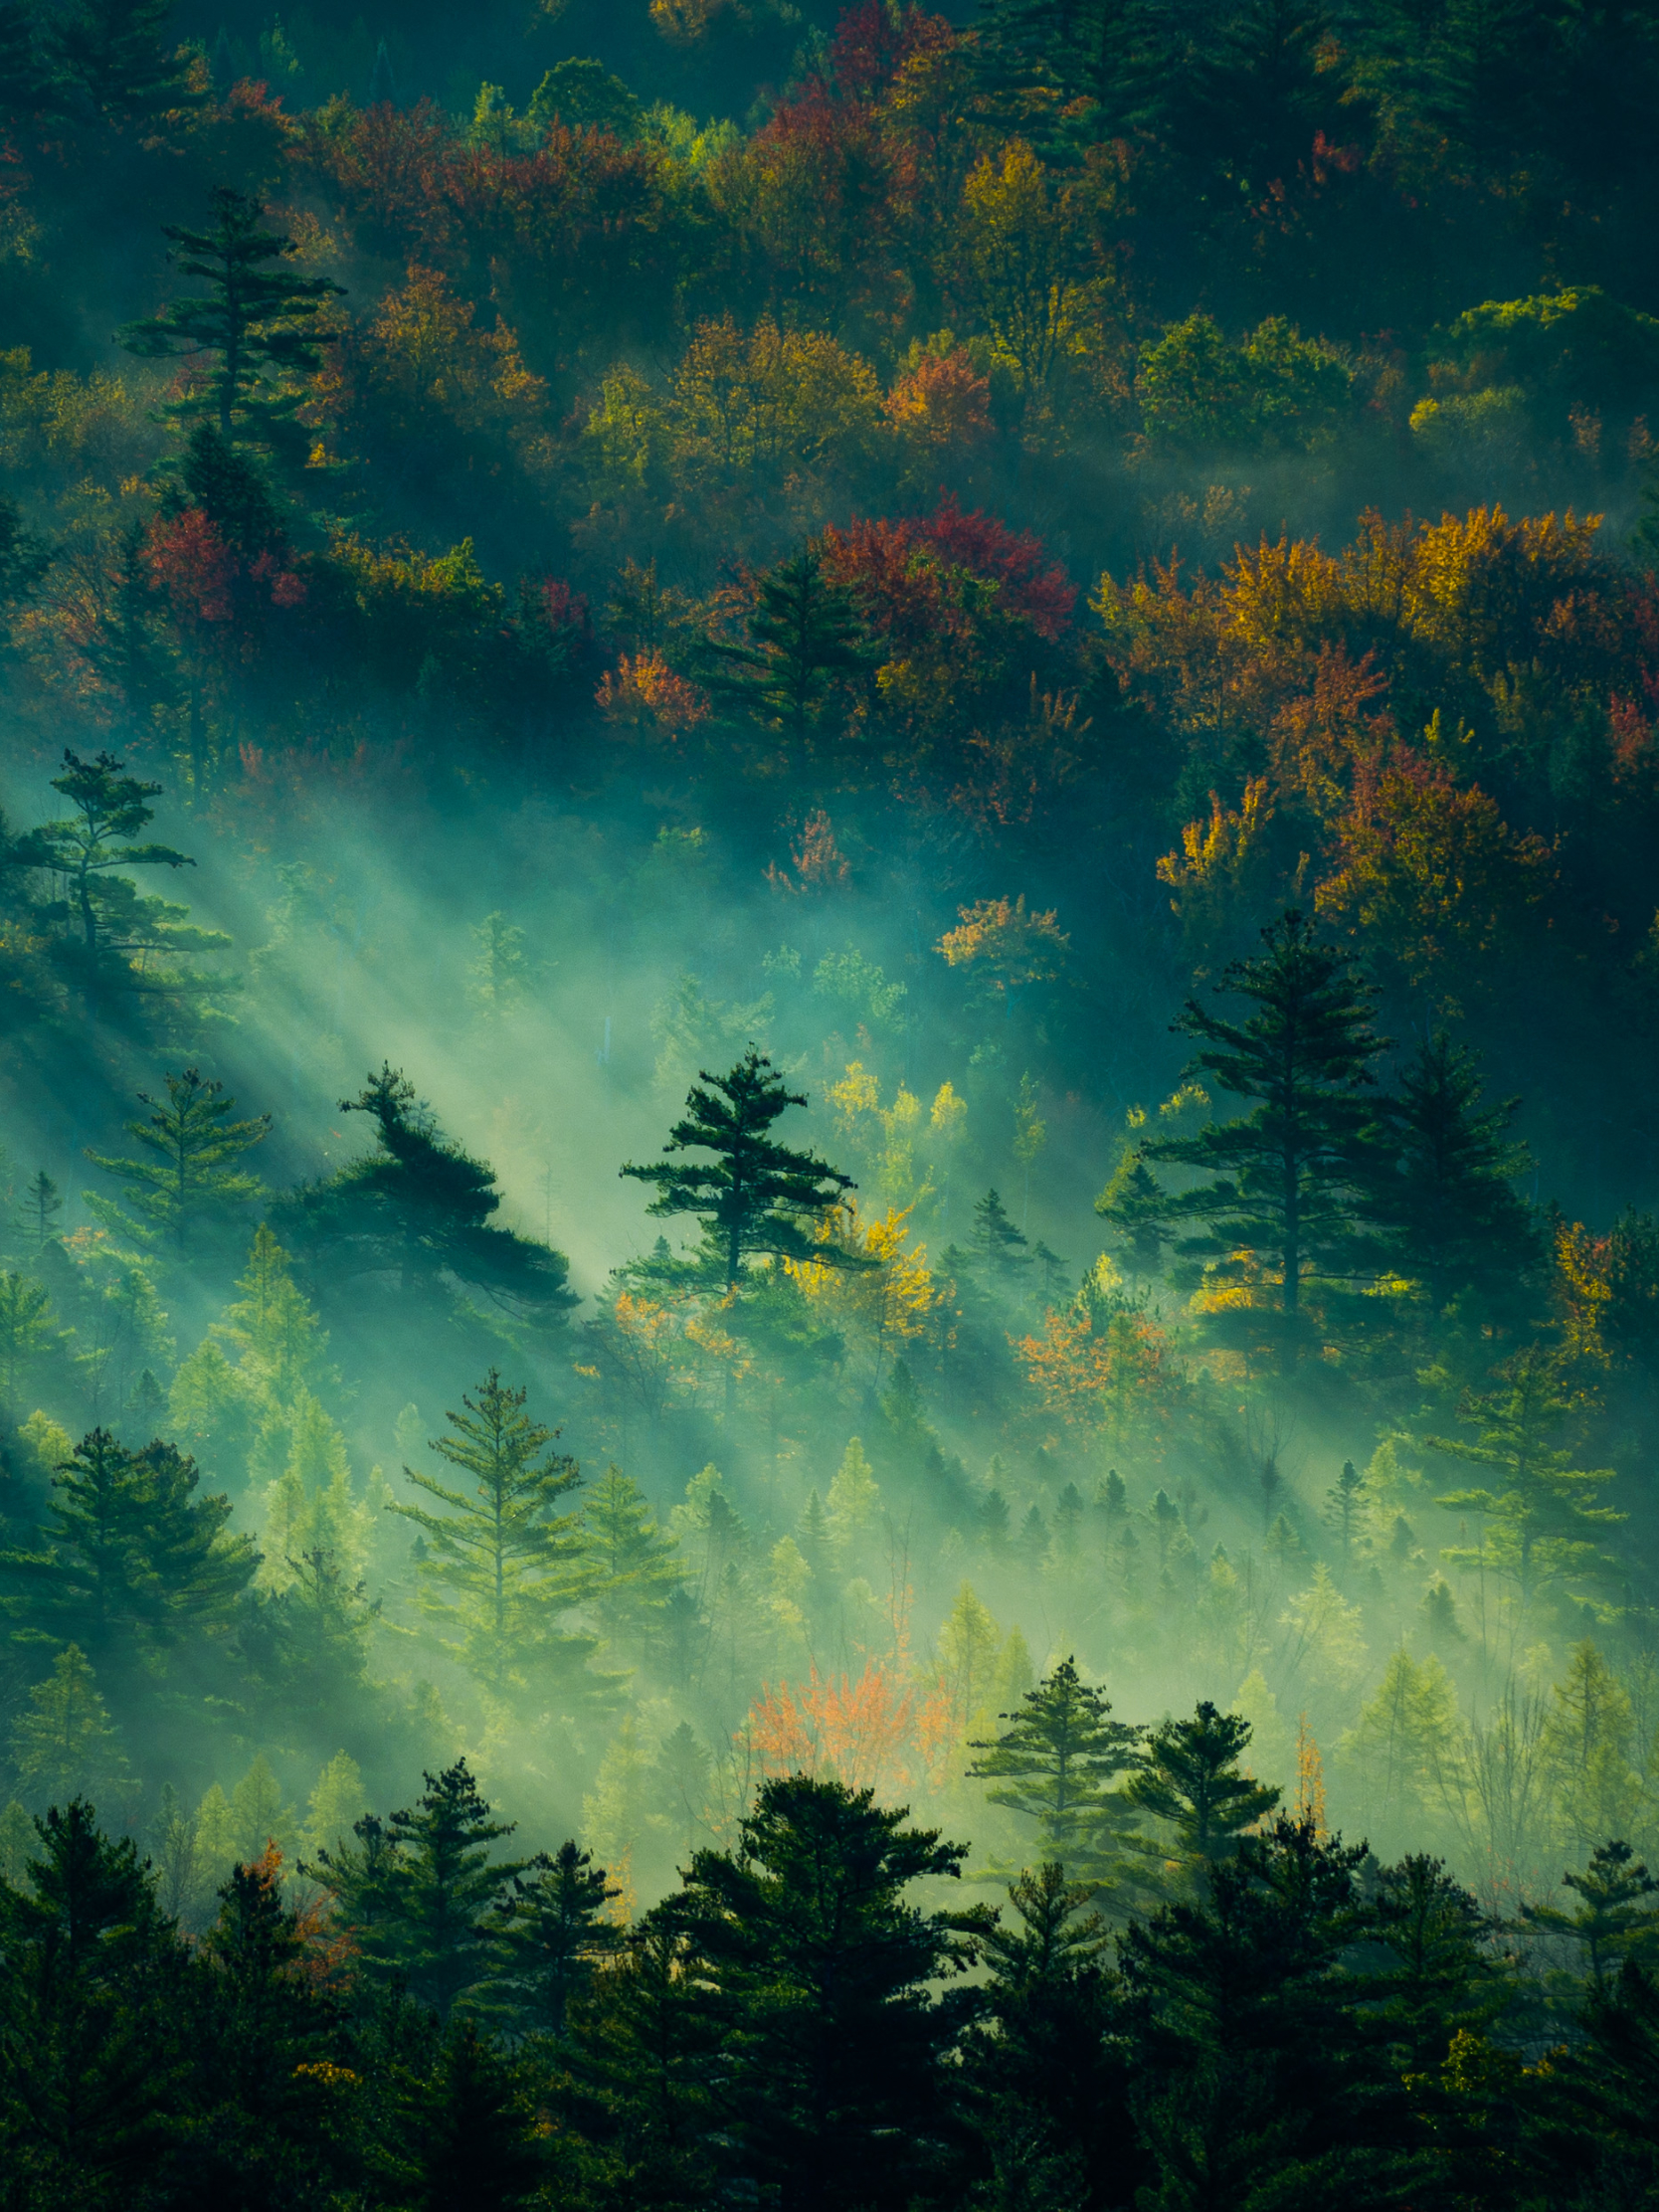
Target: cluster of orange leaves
{"points": [[872, 1733]]}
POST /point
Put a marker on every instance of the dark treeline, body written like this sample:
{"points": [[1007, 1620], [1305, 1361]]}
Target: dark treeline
{"points": [[829, 981]]}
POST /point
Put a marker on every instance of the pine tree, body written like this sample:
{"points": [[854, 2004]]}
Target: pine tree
{"points": [[630, 1567], [1189, 1779], [336, 1805], [255, 323], [35, 1212], [1341, 1510], [1054, 1765], [1137, 1206], [1542, 1522], [92, 2018], [804, 634], [26, 1333], [191, 1178], [758, 1196], [1612, 1915], [820, 1969], [1444, 1979], [415, 1212], [132, 1562], [421, 1893], [968, 1646], [1286, 1173], [998, 1248], [1257, 2073], [1044, 2079], [127, 944], [555, 1938], [109, 57], [467, 2134], [502, 1563], [854, 1494], [279, 1339], [1442, 1191], [258, 1817], [66, 1746]]}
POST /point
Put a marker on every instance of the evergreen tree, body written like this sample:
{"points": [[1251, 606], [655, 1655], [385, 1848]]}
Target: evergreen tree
{"points": [[257, 323], [630, 1564], [1189, 1779], [1043, 2081], [266, 2042], [126, 943], [109, 57], [1542, 1522], [421, 1894], [279, 1339], [502, 1563], [66, 1747], [191, 1178], [804, 634], [1285, 1173], [818, 1972], [39, 1207], [757, 1194], [417, 1210], [1137, 1206], [1256, 2077], [1343, 1509], [1054, 1764], [998, 1246], [132, 1562], [1442, 1979], [26, 1333], [91, 2019], [645, 2074], [1613, 1916], [555, 1938], [467, 2134], [1442, 1192]]}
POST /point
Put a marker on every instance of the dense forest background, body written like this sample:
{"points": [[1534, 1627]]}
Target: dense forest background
{"points": [[1079, 577]]}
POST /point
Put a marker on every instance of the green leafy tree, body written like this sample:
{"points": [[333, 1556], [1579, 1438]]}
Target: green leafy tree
{"points": [[755, 1195], [1442, 1195], [421, 1894], [802, 635], [128, 945], [1055, 1764], [66, 1746], [502, 1562], [1284, 1173], [1542, 1522], [1189, 1779], [131, 1562], [555, 1938], [254, 323], [820, 1969], [1614, 1916], [1343, 1507], [191, 1176], [417, 1210], [1136, 1205]]}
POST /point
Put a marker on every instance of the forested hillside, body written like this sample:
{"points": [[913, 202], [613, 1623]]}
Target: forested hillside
{"points": [[828, 1012]]}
